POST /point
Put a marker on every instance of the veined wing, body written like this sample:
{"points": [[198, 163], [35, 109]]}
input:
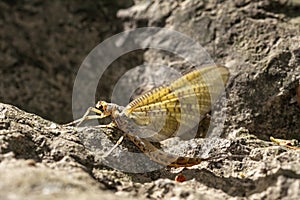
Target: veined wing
{"points": [[185, 100]]}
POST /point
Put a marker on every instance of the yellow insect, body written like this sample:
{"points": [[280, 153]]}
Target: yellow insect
{"points": [[166, 111]]}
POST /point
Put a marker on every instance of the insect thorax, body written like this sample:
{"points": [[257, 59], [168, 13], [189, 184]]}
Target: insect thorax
{"points": [[118, 116]]}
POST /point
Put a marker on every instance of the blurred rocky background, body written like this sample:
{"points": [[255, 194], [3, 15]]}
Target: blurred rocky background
{"points": [[43, 43]]}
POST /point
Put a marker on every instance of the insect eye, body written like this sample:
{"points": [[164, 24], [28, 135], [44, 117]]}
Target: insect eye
{"points": [[101, 108]]}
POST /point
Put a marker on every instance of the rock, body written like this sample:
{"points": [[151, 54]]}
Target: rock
{"points": [[43, 46], [62, 161], [257, 40]]}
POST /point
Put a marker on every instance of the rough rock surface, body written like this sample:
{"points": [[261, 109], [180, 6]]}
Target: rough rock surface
{"points": [[258, 40]]}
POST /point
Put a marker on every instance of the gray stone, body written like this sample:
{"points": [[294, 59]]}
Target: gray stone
{"points": [[259, 41]]}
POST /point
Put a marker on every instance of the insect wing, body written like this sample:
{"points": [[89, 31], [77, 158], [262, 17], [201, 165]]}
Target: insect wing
{"points": [[180, 105]]}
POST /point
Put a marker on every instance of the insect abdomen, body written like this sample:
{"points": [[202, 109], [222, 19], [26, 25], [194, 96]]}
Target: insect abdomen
{"points": [[161, 157]]}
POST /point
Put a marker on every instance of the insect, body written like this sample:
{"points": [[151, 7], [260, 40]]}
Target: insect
{"points": [[292, 144], [166, 111]]}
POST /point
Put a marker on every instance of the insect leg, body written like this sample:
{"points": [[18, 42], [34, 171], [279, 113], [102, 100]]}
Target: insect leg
{"points": [[85, 117], [114, 147], [111, 125]]}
